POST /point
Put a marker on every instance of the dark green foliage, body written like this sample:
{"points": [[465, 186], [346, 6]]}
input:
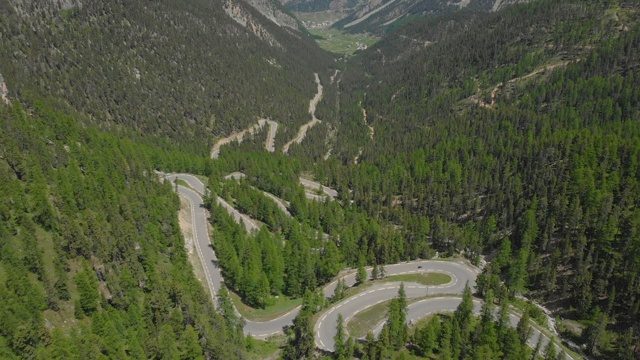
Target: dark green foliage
{"points": [[301, 343], [552, 166], [361, 274], [340, 341], [457, 336], [195, 76], [396, 321], [338, 293], [87, 290], [90, 201]]}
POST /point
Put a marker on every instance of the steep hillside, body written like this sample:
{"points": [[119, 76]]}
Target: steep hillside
{"points": [[92, 264], [188, 71], [515, 133], [510, 138], [274, 11], [378, 16]]}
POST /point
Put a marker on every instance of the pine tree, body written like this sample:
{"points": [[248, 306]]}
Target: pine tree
{"points": [[301, 345], [538, 349], [369, 350], [485, 332], [503, 320], [189, 345], [88, 290], [511, 346], [330, 262], [361, 274], [524, 328], [350, 347], [426, 338], [383, 345], [445, 349], [340, 346], [596, 329], [464, 312], [338, 292], [226, 309], [167, 346], [550, 351], [381, 271], [396, 320]]}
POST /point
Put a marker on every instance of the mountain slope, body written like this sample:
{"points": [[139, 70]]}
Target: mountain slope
{"points": [[179, 70], [378, 16], [92, 264], [514, 132]]}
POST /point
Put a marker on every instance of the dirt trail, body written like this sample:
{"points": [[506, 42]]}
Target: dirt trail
{"points": [[215, 151], [494, 92], [333, 77], [371, 132], [357, 158], [312, 110], [238, 136], [4, 91]]}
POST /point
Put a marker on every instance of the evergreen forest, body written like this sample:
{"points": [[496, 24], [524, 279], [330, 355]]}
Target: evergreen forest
{"points": [[504, 142]]}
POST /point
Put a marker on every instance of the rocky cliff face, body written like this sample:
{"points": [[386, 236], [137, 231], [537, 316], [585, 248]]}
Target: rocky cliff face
{"points": [[244, 17], [275, 13], [375, 16], [4, 91], [34, 8], [240, 13], [499, 4]]}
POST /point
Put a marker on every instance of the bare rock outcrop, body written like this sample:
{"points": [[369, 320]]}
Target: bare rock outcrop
{"points": [[4, 90], [272, 12], [244, 17]]}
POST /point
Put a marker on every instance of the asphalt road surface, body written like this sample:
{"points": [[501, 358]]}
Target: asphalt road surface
{"points": [[325, 327]]}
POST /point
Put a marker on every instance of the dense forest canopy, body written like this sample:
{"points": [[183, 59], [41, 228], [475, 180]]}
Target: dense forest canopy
{"points": [[514, 132], [184, 71], [511, 139], [90, 248]]}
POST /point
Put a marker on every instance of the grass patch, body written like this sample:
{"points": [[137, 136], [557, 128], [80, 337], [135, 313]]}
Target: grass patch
{"points": [[262, 349], [281, 306], [183, 183], [365, 320], [204, 179], [428, 278]]}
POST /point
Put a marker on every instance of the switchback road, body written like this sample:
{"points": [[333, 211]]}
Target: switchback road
{"points": [[325, 326]]}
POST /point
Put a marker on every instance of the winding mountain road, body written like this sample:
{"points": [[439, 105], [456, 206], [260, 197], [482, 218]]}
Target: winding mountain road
{"points": [[314, 120], [460, 274], [271, 136], [269, 143], [202, 241], [325, 326], [196, 184], [310, 184]]}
